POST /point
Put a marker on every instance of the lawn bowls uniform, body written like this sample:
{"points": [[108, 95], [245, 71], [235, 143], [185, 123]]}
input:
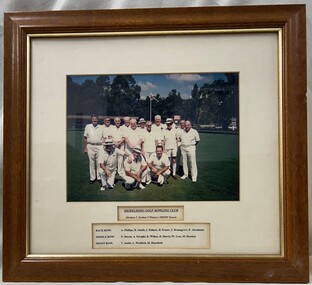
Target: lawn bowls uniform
{"points": [[107, 132], [188, 150], [94, 139], [117, 137], [110, 160], [150, 140], [170, 141], [134, 167], [159, 163], [159, 129], [134, 138]]}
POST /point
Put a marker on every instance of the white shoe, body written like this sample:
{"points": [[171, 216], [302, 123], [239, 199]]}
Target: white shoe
{"points": [[183, 177], [194, 180], [148, 182], [141, 186], [103, 188]]}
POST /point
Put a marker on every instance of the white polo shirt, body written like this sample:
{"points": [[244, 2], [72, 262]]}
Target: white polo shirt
{"points": [[133, 136], [170, 138], [150, 139], [189, 138], [93, 134], [159, 163], [135, 165], [117, 133], [110, 159]]}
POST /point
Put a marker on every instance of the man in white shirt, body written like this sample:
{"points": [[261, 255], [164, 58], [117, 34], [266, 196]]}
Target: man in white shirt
{"points": [[108, 164], [189, 139], [150, 140], [133, 137], [118, 138], [159, 164], [142, 127], [93, 139], [158, 126], [107, 129], [126, 124], [179, 159], [170, 143], [135, 170]]}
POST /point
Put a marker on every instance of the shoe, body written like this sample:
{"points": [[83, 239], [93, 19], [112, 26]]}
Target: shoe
{"points": [[183, 177], [141, 186], [160, 184], [92, 181], [148, 182], [103, 188], [100, 181], [194, 180], [174, 177]]}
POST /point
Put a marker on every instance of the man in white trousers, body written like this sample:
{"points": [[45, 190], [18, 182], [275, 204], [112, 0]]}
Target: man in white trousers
{"points": [[159, 164], [135, 170], [108, 164], [189, 139], [170, 143], [93, 140]]}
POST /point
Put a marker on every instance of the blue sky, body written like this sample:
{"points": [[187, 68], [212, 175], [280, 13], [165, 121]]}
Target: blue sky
{"points": [[151, 84]]}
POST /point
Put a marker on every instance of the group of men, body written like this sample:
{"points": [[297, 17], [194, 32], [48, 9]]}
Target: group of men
{"points": [[140, 152]]}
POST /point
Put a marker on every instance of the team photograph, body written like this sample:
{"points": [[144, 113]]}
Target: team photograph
{"points": [[153, 137]]}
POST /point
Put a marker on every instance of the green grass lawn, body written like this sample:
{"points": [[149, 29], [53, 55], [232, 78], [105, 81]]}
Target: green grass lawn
{"points": [[218, 175]]}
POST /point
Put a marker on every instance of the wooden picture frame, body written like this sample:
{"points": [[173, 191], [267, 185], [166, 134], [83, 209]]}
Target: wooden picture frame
{"points": [[290, 266]]}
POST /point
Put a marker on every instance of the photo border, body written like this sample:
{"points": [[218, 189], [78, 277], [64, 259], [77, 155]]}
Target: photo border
{"points": [[291, 266]]}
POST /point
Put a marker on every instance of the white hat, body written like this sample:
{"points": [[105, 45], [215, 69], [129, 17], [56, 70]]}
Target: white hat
{"points": [[137, 149], [169, 121], [108, 142], [142, 121]]}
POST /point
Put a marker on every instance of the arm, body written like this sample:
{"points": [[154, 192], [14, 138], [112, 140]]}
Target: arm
{"points": [[85, 149], [152, 167], [106, 170], [163, 170], [133, 175]]}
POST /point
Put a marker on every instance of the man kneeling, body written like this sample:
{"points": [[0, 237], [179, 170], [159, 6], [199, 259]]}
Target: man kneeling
{"points": [[159, 164], [135, 170], [108, 164]]}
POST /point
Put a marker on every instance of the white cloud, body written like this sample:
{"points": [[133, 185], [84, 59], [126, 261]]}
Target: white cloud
{"points": [[146, 86], [185, 96], [185, 77]]}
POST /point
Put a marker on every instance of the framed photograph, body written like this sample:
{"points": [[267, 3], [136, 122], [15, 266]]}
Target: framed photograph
{"points": [[156, 145]]}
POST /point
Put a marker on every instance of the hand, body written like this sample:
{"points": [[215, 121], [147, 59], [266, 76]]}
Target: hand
{"points": [[108, 173], [129, 159]]}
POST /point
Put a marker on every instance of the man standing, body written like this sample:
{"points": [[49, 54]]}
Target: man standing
{"points": [[158, 126], [179, 160], [118, 139], [93, 138], [132, 137], [142, 124], [189, 139], [108, 164], [135, 170], [170, 142], [107, 129], [159, 165]]}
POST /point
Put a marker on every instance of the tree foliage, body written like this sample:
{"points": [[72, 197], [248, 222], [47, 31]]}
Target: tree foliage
{"points": [[211, 103]]}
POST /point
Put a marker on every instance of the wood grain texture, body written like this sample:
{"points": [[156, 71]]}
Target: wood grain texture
{"points": [[293, 267]]}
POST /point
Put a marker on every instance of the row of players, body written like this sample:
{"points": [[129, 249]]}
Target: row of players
{"points": [[148, 141]]}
